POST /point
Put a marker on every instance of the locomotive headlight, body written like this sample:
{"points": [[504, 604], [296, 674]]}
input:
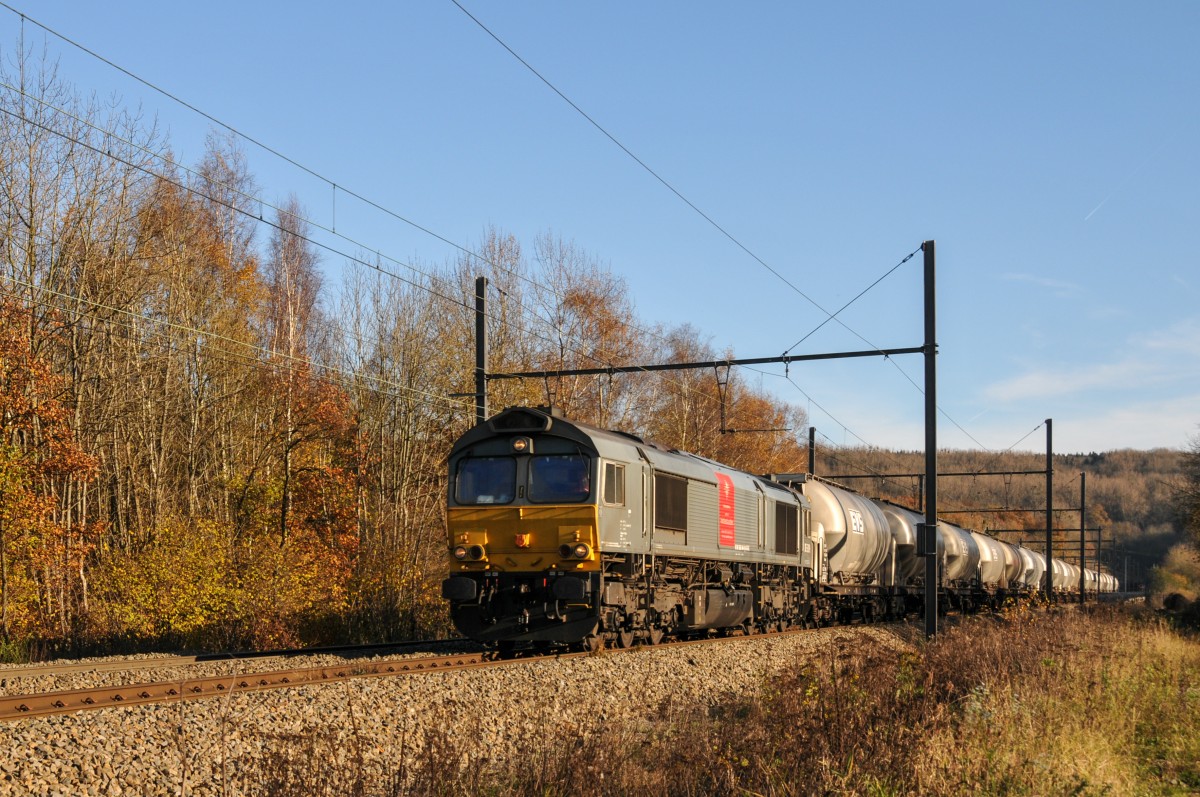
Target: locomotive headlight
{"points": [[476, 552], [460, 553], [521, 445], [577, 550]]}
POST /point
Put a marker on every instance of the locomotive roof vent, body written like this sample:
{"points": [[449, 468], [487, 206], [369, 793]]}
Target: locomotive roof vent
{"points": [[521, 419], [789, 478]]}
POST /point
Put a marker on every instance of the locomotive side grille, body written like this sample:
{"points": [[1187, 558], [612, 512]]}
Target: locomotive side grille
{"points": [[786, 533], [670, 502]]}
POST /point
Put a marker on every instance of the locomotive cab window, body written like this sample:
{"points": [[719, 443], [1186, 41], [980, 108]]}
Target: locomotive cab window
{"points": [[559, 479], [485, 480], [614, 484]]}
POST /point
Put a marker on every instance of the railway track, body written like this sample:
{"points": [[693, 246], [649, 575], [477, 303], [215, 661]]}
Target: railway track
{"points": [[24, 706], [14, 707], [114, 665]]}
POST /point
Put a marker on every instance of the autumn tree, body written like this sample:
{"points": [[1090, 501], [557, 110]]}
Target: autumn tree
{"points": [[686, 408], [72, 173], [587, 321], [393, 338], [185, 364], [42, 579], [293, 285]]}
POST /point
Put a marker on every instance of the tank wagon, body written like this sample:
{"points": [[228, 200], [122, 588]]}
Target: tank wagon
{"points": [[566, 534]]}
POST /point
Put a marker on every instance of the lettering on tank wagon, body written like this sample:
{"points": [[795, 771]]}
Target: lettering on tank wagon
{"points": [[856, 521], [726, 516]]}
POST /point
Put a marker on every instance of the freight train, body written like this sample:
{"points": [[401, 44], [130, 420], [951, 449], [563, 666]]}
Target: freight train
{"points": [[563, 534]]}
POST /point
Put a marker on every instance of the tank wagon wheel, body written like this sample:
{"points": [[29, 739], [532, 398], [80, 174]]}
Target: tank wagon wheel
{"points": [[624, 637], [654, 635]]}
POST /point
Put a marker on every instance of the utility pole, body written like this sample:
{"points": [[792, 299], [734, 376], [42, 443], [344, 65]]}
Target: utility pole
{"points": [[929, 529], [1049, 510], [1083, 538], [481, 350]]}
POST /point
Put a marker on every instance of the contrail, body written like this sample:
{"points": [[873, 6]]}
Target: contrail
{"points": [[1110, 196], [1129, 177]]}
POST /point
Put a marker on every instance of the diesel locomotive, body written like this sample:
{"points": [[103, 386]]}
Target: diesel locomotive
{"points": [[562, 534]]}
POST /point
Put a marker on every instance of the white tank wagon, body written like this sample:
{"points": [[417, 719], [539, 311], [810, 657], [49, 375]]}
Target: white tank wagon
{"points": [[855, 534], [856, 546], [962, 556], [1029, 568], [993, 572], [1061, 575], [1037, 578], [1014, 568], [909, 569]]}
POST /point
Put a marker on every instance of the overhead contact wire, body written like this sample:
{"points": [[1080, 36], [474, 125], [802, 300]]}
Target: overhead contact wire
{"points": [[307, 170]]}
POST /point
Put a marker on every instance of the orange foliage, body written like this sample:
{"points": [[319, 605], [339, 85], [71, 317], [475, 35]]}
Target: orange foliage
{"points": [[41, 557]]}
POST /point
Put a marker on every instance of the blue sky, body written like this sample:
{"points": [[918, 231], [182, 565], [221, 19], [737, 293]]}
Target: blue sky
{"points": [[1049, 149]]}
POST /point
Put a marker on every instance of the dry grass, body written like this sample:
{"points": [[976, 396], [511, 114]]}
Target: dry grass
{"points": [[1029, 703]]}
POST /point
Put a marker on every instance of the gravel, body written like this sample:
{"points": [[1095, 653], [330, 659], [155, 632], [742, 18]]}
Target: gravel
{"points": [[374, 730]]}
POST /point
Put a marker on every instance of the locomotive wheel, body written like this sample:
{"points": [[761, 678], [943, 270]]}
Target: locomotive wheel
{"points": [[593, 643], [624, 637], [654, 635]]}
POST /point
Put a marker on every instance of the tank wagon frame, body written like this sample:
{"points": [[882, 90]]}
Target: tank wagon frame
{"points": [[565, 534]]}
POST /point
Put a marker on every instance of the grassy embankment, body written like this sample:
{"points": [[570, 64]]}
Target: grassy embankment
{"points": [[1102, 702]]}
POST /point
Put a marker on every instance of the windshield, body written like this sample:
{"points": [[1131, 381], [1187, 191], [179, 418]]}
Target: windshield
{"points": [[486, 480], [559, 478]]}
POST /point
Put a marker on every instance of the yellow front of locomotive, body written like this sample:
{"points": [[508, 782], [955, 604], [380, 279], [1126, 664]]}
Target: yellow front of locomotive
{"points": [[522, 525]]}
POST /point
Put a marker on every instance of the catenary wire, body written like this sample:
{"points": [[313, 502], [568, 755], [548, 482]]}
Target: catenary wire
{"points": [[308, 239], [651, 171], [523, 307], [335, 186], [211, 335], [369, 202]]}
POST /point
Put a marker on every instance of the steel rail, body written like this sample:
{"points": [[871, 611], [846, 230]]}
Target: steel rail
{"points": [[51, 669], [38, 705]]}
